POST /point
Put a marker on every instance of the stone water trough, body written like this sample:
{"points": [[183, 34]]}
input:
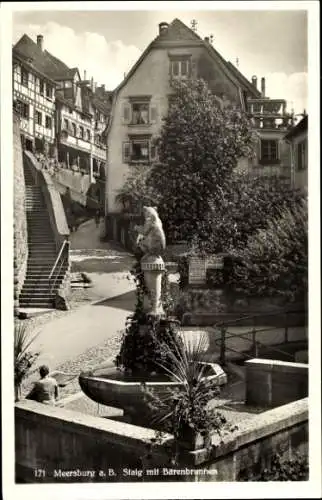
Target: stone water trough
{"points": [[109, 386]]}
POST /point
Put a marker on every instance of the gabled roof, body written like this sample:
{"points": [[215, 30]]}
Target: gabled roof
{"points": [[177, 30], [42, 60], [298, 129], [243, 80]]}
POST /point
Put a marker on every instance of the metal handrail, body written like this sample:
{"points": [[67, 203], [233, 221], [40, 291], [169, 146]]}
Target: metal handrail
{"points": [[58, 257], [260, 344], [227, 335], [257, 315], [57, 275]]}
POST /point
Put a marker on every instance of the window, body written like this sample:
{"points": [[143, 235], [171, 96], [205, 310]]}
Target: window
{"points": [[22, 108], [88, 134], [301, 155], [66, 124], [24, 77], [48, 122], [140, 151], [41, 87], [81, 132], [74, 129], [140, 113], [68, 85], [269, 151], [137, 150], [180, 67], [49, 91], [38, 118]]}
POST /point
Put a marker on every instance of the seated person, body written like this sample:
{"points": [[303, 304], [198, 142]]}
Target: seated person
{"points": [[45, 390]]}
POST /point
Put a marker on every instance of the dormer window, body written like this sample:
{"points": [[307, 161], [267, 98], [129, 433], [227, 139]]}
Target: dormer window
{"points": [[180, 66]]}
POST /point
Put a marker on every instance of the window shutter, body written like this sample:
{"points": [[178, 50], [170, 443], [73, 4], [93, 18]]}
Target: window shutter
{"points": [[126, 152], [153, 152], [154, 114], [258, 151], [192, 67], [126, 113]]}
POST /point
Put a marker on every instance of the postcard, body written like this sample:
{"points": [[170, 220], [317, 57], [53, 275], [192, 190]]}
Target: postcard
{"points": [[160, 225]]}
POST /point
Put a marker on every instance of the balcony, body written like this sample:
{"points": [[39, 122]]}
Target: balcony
{"points": [[269, 114], [76, 142], [99, 151]]}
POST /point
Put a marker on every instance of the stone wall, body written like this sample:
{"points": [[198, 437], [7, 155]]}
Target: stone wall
{"points": [[55, 440], [78, 184], [20, 222], [271, 382]]}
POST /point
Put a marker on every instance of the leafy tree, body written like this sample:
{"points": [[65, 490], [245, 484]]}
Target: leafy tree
{"points": [[246, 205], [199, 146], [136, 191], [275, 259]]}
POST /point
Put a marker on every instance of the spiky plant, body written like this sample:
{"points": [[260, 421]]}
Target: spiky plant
{"points": [[24, 358], [186, 407]]}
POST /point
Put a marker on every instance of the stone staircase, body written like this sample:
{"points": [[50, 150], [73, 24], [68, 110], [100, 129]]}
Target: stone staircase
{"points": [[38, 290]]}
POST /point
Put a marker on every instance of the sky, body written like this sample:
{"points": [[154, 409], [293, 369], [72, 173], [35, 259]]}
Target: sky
{"points": [[106, 44]]}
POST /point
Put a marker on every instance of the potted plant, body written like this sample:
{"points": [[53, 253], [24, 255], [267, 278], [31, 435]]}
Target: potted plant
{"points": [[184, 411], [24, 358]]}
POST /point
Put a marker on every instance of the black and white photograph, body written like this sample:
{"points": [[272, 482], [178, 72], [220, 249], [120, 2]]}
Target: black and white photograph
{"points": [[162, 293]]}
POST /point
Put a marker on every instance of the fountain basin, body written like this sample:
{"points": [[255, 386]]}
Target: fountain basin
{"points": [[111, 387]]}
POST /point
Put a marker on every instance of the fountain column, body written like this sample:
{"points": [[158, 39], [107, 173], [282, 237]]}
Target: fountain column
{"points": [[153, 268]]}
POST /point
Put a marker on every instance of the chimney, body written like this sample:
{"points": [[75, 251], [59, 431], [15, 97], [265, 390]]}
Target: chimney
{"points": [[92, 84], [84, 74], [206, 39], [263, 86], [163, 27], [103, 87], [40, 41], [254, 81]]}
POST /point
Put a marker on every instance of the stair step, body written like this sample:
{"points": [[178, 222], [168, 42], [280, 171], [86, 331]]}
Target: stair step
{"points": [[45, 252], [39, 279], [35, 304], [38, 248], [48, 246], [41, 261], [43, 291]]}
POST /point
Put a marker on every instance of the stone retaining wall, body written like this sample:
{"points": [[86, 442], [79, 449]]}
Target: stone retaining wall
{"points": [[20, 221], [65, 444], [271, 383]]}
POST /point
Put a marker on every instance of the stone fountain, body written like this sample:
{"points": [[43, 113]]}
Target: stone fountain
{"points": [[119, 384]]}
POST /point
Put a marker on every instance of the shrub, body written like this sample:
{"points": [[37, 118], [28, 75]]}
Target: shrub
{"points": [[24, 358], [185, 408], [275, 259], [294, 469]]}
